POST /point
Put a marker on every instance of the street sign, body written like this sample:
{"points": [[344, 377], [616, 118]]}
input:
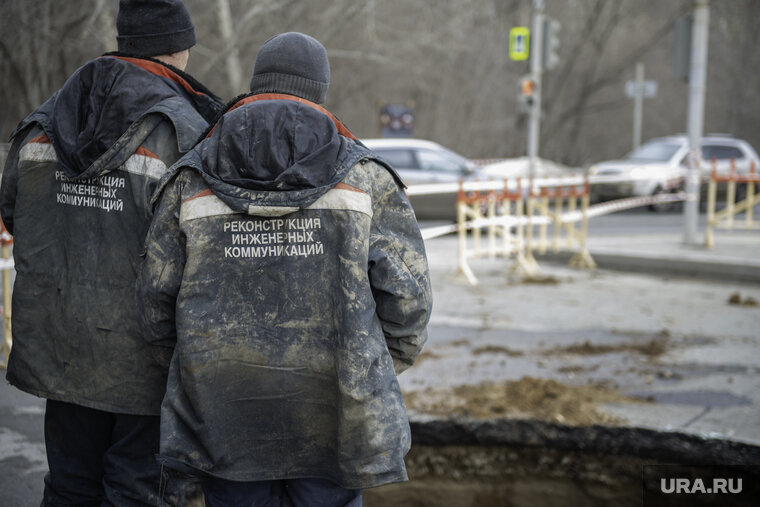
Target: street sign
{"points": [[648, 89], [519, 43]]}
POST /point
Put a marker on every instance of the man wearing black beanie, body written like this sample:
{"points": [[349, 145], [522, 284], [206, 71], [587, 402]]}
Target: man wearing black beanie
{"points": [[75, 194], [286, 264]]}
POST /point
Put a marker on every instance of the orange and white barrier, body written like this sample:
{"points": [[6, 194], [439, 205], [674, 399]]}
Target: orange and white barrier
{"points": [[565, 205], [6, 264], [725, 217], [500, 207], [499, 212], [516, 225]]}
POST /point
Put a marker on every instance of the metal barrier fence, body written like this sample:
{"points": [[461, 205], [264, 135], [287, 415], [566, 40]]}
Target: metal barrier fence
{"points": [[746, 203], [518, 225], [516, 220]]}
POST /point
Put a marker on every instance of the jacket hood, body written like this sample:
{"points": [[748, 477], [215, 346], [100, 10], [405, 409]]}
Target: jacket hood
{"points": [[274, 145], [272, 154], [106, 96]]}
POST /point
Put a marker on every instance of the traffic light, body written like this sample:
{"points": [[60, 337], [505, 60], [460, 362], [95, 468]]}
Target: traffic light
{"points": [[527, 88], [551, 44], [682, 47]]}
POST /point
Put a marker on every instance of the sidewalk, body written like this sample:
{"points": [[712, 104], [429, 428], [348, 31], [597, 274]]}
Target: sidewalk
{"points": [[735, 256]]}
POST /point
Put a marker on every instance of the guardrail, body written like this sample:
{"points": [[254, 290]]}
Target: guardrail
{"points": [[6, 264], [746, 203]]}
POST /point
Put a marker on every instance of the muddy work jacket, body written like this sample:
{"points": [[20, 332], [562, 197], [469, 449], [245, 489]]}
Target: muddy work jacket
{"points": [[76, 195], [286, 264]]}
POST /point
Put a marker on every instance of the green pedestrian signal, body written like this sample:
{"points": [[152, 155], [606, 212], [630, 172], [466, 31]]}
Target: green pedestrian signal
{"points": [[519, 43]]}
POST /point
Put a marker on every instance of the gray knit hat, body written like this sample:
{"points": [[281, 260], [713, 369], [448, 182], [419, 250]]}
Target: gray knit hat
{"points": [[292, 63], [154, 27]]}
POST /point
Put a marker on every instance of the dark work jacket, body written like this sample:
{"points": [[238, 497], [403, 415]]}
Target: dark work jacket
{"points": [[76, 195], [285, 263]]}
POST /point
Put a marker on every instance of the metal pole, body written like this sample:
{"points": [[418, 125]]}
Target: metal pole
{"points": [[638, 100], [537, 37], [697, 83]]}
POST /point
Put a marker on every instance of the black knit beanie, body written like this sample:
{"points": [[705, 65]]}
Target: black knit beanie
{"points": [[292, 63], [154, 27]]}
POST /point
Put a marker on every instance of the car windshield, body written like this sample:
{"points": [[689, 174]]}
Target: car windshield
{"points": [[654, 152], [445, 161]]}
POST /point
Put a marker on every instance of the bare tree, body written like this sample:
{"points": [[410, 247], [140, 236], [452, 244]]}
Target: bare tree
{"points": [[448, 57]]}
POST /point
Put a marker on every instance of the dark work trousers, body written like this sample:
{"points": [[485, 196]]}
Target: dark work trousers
{"points": [[285, 493], [100, 458]]}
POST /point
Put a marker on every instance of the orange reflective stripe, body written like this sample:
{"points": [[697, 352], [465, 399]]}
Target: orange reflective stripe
{"points": [[342, 129], [158, 70], [344, 186], [41, 139], [146, 152], [202, 193]]}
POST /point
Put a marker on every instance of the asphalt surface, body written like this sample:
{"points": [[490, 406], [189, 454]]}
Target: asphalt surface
{"points": [[703, 382], [583, 327]]}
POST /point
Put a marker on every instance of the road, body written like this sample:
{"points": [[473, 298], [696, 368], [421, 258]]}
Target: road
{"points": [[638, 221], [22, 449]]}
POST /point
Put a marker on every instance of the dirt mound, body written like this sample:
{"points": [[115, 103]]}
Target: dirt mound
{"points": [[496, 349], [736, 299], [650, 348], [529, 397]]}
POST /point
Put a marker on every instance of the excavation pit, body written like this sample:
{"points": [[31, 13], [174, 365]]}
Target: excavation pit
{"points": [[507, 462]]}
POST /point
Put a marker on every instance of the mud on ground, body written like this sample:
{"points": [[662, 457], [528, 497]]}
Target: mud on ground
{"points": [[529, 397]]}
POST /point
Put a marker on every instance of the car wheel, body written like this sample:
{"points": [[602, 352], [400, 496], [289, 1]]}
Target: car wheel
{"points": [[660, 207]]}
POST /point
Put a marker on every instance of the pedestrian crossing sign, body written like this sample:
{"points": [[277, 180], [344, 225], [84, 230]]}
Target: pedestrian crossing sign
{"points": [[519, 43]]}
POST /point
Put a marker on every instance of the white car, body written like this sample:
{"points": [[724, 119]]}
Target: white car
{"points": [[660, 165], [513, 168], [418, 161]]}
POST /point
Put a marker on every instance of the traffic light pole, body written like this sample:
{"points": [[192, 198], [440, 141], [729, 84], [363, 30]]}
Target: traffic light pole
{"points": [[638, 105], [697, 80], [536, 71]]}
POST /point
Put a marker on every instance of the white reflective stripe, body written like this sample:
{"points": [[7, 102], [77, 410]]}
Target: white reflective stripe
{"points": [[205, 206], [136, 164], [271, 211], [37, 152], [144, 166], [341, 199], [335, 199]]}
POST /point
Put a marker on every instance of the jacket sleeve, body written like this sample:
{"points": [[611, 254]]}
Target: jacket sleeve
{"points": [[398, 272], [160, 146], [10, 180], [160, 274]]}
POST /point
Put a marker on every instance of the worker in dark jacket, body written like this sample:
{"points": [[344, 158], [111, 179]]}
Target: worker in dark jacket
{"points": [[76, 196], [286, 266]]}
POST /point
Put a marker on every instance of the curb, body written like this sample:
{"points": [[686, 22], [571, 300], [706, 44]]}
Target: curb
{"points": [[739, 270]]}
